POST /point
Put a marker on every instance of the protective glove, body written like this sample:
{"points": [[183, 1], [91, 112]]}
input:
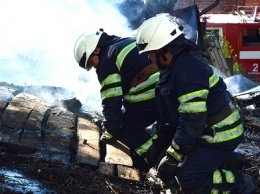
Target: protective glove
{"points": [[168, 164], [107, 138], [173, 154], [153, 154], [115, 132], [110, 136], [166, 168], [165, 134]]}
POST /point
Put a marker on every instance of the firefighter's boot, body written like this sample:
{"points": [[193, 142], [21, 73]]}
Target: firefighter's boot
{"points": [[107, 138]]}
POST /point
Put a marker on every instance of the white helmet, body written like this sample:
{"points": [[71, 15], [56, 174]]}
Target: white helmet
{"points": [[157, 32], [86, 43]]}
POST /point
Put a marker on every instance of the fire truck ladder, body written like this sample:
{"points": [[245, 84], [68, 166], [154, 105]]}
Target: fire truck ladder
{"points": [[216, 55], [248, 13]]}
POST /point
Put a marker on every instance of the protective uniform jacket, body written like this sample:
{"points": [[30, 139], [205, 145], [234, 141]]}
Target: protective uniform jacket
{"points": [[189, 95], [119, 64]]}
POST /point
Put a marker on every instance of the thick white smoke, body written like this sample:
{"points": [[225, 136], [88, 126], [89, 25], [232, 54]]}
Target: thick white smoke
{"points": [[38, 36]]}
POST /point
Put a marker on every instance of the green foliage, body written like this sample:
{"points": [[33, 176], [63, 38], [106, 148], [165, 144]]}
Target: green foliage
{"points": [[228, 50]]}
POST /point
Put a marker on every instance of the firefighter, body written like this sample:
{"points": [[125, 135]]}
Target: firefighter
{"points": [[192, 97], [127, 89]]}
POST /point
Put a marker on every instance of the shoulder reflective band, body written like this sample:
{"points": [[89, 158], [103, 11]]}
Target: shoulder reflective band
{"points": [[122, 54], [213, 80]]}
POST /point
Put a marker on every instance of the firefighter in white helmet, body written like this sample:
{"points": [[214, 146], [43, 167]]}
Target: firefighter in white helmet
{"points": [[127, 89], [190, 95]]}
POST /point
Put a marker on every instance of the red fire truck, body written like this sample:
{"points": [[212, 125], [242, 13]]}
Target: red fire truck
{"points": [[242, 31]]}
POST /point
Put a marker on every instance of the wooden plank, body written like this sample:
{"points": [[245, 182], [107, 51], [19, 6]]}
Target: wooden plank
{"points": [[14, 120], [128, 173], [6, 95], [106, 168], [33, 123], [118, 153], [33, 134], [58, 138], [18, 110], [88, 151], [60, 118]]}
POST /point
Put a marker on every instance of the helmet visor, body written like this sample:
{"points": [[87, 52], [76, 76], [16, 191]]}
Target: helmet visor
{"points": [[82, 61], [141, 47]]}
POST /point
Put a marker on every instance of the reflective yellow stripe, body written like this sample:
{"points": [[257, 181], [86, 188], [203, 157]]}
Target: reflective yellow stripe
{"points": [[197, 94], [111, 92], [213, 80], [229, 134], [192, 107], [217, 178], [226, 192], [230, 178], [146, 95], [113, 78], [214, 191], [154, 78], [174, 154], [140, 97], [235, 116], [225, 135], [143, 148], [121, 56]]}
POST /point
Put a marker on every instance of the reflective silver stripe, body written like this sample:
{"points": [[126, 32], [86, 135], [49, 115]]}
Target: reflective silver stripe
{"points": [[140, 97], [111, 92], [192, 107], [154, 78], [113, 78], [227, 135], [213, 80], [143, 148], [121, 56], [197, 94]]}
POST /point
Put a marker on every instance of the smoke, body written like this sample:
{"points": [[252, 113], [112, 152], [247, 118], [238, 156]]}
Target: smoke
{"points": [[38, 37]]}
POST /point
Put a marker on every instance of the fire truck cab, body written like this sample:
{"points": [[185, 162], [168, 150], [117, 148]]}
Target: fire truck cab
{"points": [[242, 31]]}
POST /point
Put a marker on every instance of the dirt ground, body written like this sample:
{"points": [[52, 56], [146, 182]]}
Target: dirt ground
{"points": [[76, 179], [51, 177]]}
